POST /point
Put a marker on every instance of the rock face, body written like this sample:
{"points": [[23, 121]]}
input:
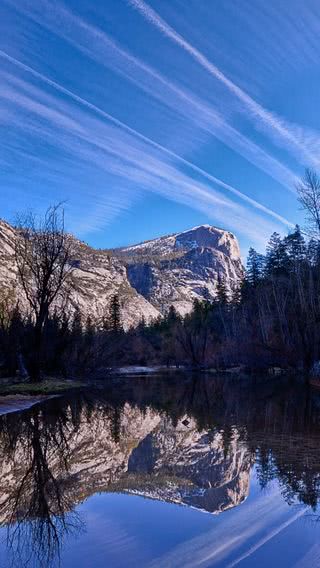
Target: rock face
{"points": [[149, 277], [8, 273], [177, 269]]}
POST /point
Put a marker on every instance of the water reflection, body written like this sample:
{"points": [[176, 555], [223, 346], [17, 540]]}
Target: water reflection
{"points": [[189, 440], [35, 501]]}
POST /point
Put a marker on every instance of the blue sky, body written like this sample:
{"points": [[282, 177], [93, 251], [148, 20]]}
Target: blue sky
{"points": [[150, 118]]}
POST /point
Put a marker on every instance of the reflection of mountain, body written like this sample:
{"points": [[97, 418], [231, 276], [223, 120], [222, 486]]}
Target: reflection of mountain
{"points": [[139, 451], [191, 466], [182, 439]]}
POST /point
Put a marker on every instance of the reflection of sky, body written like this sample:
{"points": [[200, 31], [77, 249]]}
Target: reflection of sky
{"points": [[123, 531]]}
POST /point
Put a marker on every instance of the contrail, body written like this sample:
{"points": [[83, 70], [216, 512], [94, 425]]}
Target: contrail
{"points": [[137, 134], [269, 119], [265, 539], [107, 52]]}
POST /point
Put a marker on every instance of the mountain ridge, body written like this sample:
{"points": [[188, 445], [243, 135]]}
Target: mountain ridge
{"points": [[149, 277]]}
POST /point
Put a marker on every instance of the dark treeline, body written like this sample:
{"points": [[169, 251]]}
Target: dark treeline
{"points": [[272, 318]]}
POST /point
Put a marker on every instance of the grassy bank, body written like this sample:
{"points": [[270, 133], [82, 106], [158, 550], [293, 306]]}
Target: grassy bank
{"points": [[46, 386]]}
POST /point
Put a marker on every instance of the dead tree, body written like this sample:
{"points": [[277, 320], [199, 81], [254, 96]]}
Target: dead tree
{"points": [[44, 261], [309, 196]]}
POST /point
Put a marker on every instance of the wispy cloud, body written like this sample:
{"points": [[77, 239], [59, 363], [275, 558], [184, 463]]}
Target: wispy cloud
{"points": [[103, 49], [230, 540], [303, 143], [100, 47], [110, 162], [151, 164], [310, 559], [269, 536]]}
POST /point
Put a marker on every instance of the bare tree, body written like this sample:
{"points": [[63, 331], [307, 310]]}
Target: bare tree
{"points": [[44, 260], [38, 509], [309, 197]]}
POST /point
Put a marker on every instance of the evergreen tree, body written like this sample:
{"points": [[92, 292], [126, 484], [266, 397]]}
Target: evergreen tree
{"points": [[236, 296], [115, 315], [197, 308], [255, 267], [142, 324], [222, 295], [276, 255], [76, 327], [105, 320], [172, 316], [206, 294], [295, 246], [90, 327]]}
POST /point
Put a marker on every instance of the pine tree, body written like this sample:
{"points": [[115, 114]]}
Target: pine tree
{"points": [[276, 255], [90, 329], [255, 267], [206, 294], [236, 295], [172, 316], [222, 295], [115, 315], [295, 246], [105, 320], [76, 327], [142, 324], [85, 351]]}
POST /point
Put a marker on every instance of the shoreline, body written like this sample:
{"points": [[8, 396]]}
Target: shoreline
{"points": [[51, 386]]}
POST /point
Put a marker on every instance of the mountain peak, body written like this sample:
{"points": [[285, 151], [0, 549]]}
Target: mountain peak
{"points": [[209, 237], [148, 277], [202, 236]]}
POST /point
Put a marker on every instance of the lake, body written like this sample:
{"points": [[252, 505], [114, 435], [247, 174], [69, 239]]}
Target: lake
{"points": [[164, 471]]}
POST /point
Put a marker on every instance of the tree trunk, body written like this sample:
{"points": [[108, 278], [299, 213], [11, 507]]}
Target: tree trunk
{"points": [[35, 367]]}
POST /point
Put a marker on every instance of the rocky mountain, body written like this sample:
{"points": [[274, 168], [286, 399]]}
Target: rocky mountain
{"points": [[149, 277], [96, 277], [175, 270]]}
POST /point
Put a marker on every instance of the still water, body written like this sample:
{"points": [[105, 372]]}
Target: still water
{"points": [[179, 471]]}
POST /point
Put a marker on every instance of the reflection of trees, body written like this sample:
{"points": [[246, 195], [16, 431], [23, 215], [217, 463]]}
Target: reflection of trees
{"points": [[278, 425], [281, 426], [286, 441], [297, 482], [295, 463], [37, 510]]}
